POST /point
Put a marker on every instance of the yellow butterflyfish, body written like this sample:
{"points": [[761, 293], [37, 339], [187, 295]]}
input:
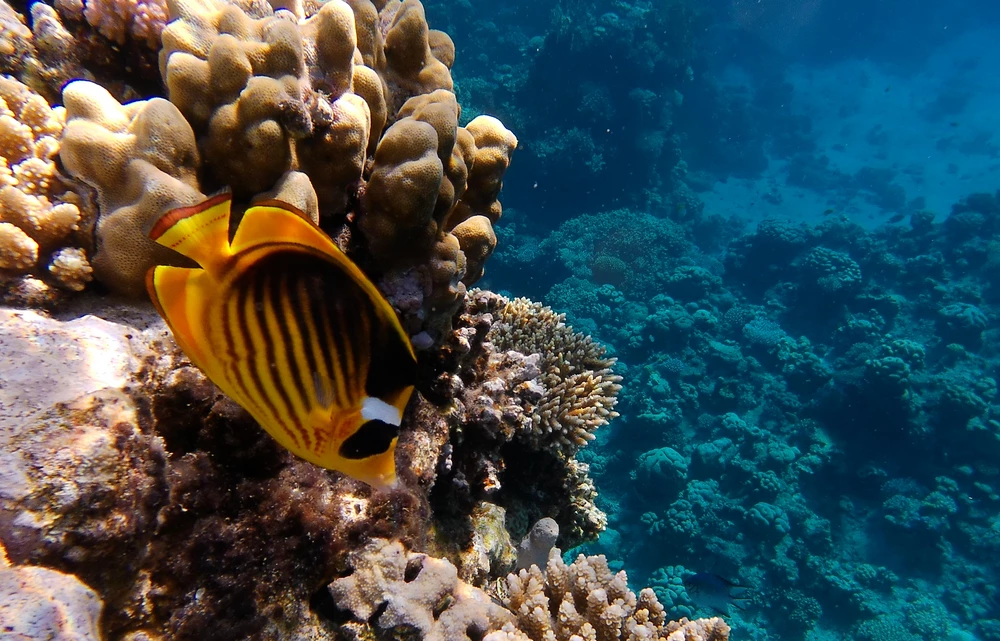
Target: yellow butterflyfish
{"points": [[291, 329]]}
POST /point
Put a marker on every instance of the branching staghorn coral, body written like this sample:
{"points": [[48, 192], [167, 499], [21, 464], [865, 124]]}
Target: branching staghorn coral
{"points": [[508, 374], [579, 383], [586, 600], [44, 57], [117, 20], [393, 592]]}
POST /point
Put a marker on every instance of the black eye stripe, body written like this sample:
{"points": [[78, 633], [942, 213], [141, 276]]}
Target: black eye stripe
{"points": [[373, 437]]}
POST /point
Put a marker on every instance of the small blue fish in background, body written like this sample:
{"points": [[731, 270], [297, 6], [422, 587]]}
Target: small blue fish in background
{"points": [[711, 591]]}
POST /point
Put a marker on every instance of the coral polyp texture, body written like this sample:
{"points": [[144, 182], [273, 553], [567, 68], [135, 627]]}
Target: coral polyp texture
{"points": [[580, 386]]}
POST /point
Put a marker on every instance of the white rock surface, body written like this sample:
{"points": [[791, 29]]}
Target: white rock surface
{"points": [[39, 604], [44, 362]]}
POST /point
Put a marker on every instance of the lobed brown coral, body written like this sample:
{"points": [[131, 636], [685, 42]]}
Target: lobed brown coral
{"points": [[351, 95], [142, 159]]}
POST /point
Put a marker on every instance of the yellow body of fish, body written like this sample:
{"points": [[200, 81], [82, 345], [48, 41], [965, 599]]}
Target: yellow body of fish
{"points": [[287, 326]]}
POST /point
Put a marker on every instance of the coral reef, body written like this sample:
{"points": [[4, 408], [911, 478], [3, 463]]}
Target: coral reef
{"points": [[528, 394], [393, 592], [822, 383], [349, 97]]}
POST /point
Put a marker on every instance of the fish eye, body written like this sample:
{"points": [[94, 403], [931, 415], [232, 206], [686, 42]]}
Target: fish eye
{"points": [[373, 437]]}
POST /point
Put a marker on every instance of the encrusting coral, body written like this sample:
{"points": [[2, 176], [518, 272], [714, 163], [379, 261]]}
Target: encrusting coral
{"points": [[393, 592]]}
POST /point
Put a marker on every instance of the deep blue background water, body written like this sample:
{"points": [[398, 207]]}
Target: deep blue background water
{"points": [[782, 217]]}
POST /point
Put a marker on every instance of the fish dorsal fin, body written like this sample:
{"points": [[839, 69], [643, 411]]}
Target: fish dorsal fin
{"points": [[200, 232], [275, 221]]}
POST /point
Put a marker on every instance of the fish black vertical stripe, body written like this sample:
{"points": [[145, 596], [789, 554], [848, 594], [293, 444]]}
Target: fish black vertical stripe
{"points": [[227, 320], [245, 287], [263, 283], [299, 305], [280, 304], [352, 343], [327, 339]]}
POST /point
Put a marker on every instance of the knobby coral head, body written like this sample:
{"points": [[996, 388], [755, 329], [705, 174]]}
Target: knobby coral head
{"points": [[351, 102]]}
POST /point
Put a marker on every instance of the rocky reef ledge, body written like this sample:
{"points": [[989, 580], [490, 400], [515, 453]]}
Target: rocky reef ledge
{"points": [[146, 505]]}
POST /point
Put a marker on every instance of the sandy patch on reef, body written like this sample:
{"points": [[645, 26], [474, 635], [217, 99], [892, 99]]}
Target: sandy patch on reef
{"points": [[934, 129]]}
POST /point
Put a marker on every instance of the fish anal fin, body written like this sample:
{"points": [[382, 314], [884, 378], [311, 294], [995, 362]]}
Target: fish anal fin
{"points": [[200, 232], [180, 294]]}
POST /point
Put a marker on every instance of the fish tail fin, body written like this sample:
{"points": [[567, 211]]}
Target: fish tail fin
{"points": [[200, 232]]}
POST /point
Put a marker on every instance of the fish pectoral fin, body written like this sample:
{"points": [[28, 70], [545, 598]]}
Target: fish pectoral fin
{"points": [[323, 388], [200, 232]]}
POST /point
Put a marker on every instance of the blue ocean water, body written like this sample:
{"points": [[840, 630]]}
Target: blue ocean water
{"points": [[782, 217]]}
